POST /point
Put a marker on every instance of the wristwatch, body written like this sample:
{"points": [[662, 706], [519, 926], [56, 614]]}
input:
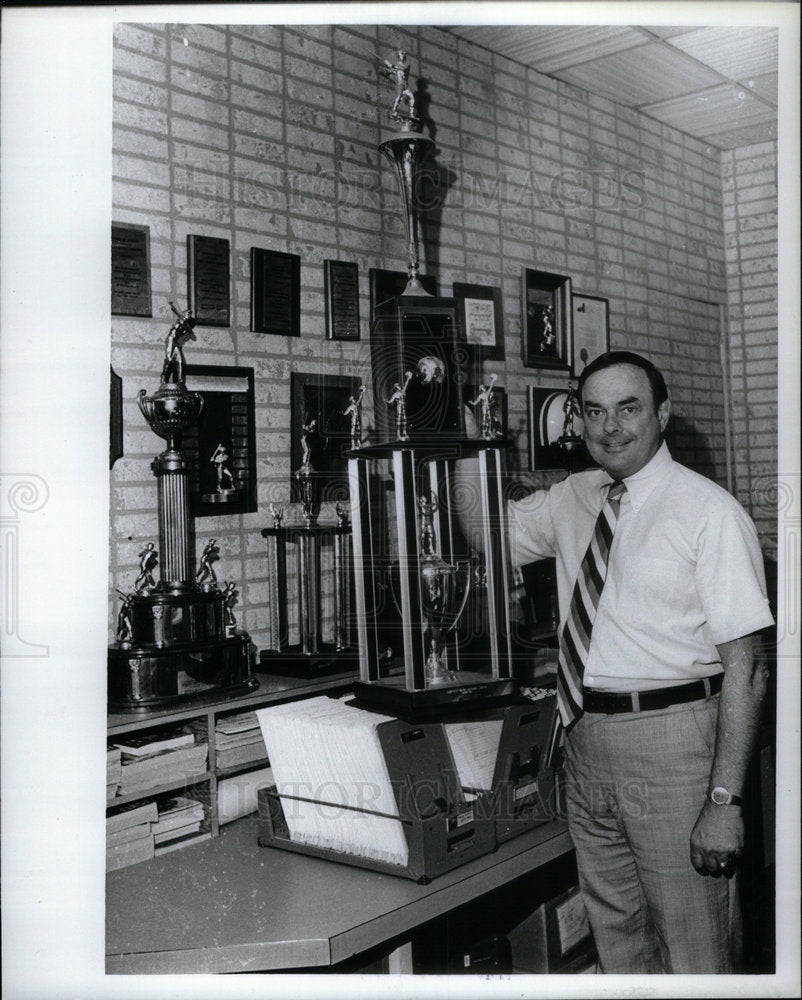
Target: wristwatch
{"points": [[721, 797]]}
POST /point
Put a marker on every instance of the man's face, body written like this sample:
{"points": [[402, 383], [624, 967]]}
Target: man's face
{"points": [[622, 428]]}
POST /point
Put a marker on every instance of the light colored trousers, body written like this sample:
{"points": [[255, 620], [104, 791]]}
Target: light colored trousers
{"points": [[635, 785]]}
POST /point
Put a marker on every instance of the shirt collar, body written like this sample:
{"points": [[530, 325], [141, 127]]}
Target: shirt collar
{"points": [[641, 483]]}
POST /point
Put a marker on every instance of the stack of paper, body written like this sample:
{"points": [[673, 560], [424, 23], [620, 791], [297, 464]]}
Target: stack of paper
{"points": [[141, 774], [129, 837], [474, 747], [332, 778], [179, 822]]}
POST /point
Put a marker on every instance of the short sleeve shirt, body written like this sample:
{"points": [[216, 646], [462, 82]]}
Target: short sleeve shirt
{"points": [[685, 570]]}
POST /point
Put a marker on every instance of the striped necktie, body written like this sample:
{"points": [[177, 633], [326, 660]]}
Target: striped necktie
{"points": [[576, 632]]}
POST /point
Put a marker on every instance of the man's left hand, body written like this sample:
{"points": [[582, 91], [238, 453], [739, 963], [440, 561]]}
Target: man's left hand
{"points": [[717, 840]]}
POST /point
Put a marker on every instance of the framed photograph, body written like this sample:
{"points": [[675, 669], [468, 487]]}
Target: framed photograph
{"points": [[497, 412], [386, 285], [209, 280], [221, 448], [555, 433], [546, 319], [341, 282], [591, 329], [318, 421], [275, 292], [130, 270], [480, 318]]}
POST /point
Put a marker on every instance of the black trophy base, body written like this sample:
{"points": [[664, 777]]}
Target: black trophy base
{"points": [[145, 678], [437, 703], [292, 662]]}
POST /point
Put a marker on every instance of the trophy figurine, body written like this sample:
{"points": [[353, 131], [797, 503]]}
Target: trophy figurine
{"points": [[229, 600], [484, 399], [277, 513], [206, 578], [398, 400], [444, 592], [305, 474], [354, 411], [407, 150]]}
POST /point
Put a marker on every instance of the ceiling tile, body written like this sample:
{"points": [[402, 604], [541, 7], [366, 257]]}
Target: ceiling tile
{"points": [[746, 136], [765, 86], [547, 48], [738, 53], [718, 108], [639, 76]]}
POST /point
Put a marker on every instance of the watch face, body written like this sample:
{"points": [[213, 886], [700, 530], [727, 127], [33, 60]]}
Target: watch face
{"points": [[720, 796]]}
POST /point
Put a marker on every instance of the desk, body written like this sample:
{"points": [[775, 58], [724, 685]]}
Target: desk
{"points": [[228, 905]]}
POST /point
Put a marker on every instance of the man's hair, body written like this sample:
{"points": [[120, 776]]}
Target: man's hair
{"points": [[611, 358]]}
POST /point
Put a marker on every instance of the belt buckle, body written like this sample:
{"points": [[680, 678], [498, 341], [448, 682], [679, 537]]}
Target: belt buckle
{"points": [[635, 699]]}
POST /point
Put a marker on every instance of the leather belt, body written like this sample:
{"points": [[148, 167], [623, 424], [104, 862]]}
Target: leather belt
{"points": [[608, 702]]}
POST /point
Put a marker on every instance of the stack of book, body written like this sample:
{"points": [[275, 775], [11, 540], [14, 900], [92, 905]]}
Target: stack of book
{"points": [[179, 823], [113, 769], [149, 761], [129, 835], [238, 740]]}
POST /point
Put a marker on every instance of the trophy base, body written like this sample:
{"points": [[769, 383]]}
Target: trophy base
{"points": [[144, 678], [222, 496], [437, 703], [292, 662]]}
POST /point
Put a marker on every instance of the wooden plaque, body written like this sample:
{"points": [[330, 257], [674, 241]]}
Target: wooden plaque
{"points": [[208, 274]]}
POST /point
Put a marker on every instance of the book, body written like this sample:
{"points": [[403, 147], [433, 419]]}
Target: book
{"points": [[128, 835], [132, 814], [174, 845], [163, 768], [177, 813], [146, 745], [242, 722], [178, 833], [241, 755], [123, 855]]}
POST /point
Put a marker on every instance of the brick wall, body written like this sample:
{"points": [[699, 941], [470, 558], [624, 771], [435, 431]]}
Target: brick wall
{"points": [[267, 136], [749, 177]]}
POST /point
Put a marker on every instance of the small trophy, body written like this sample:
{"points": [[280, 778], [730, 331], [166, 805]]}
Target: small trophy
{"points": [[569, 439], [444, 590], [226, 489], [277, 513], [124, 626]]}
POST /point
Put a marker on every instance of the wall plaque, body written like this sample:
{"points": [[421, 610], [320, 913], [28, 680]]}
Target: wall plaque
{"points": [[275, 292], [130, 270], [208, 274], [342, 300]]}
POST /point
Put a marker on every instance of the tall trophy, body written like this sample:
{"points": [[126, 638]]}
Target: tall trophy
{"points": [[431, 641], [175, 638]]}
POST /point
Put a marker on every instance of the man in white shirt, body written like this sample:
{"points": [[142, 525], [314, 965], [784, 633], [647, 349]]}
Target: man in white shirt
{"points": [[659, 688]]}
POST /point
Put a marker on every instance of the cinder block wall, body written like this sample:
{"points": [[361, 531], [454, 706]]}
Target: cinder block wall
{"points": [[267, 136], [749, 179]]}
